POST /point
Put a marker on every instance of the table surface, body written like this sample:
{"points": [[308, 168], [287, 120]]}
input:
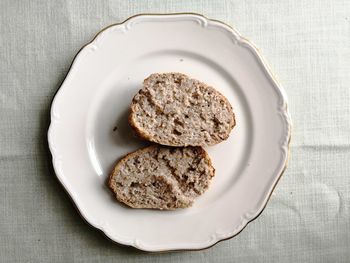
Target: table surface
{"points": [[307, 45]]}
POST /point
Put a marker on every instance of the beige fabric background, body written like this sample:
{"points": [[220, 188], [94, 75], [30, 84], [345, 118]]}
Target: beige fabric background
{"points": [[307, 44]]}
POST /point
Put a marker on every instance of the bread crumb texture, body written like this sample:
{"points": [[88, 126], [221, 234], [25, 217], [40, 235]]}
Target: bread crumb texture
{"points": [[161, 177], [176, 110]]}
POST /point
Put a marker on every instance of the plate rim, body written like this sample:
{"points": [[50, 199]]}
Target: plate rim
{"points": [[241, 40]]}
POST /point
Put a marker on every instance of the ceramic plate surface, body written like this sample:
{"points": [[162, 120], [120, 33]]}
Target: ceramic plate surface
{"points": [[89, 129]]}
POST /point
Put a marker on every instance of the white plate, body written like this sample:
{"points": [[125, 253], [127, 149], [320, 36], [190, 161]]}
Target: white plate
{"points": [[89, 129]]}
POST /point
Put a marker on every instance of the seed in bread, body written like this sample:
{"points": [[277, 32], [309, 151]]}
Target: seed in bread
{"points": [[175, 110], [161, 177]]}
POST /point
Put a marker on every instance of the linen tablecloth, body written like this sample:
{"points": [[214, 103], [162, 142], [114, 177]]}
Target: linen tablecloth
{"points": [[307, 45]]}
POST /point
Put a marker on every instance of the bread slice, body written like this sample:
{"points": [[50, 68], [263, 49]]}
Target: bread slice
{"points": [[161, 177], [175, 110]]}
